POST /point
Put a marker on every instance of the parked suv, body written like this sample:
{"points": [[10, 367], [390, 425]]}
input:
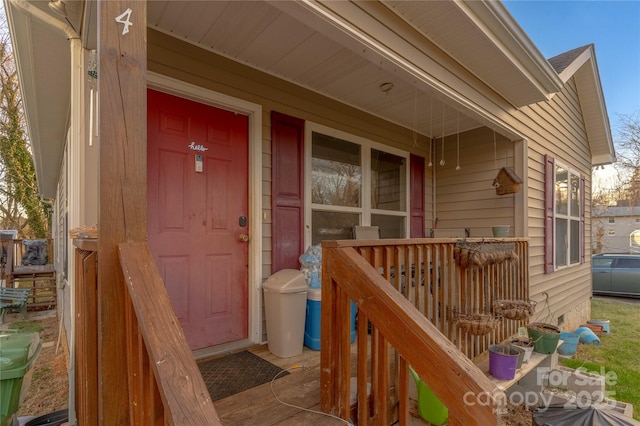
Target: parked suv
{"points": [[616, 274]]}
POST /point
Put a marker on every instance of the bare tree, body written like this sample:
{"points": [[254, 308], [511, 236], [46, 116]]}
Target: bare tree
{"points": [[20, 205], [628, 153]]}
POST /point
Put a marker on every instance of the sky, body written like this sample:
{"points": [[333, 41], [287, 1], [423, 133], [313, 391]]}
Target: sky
{"points": [[557, 26]]}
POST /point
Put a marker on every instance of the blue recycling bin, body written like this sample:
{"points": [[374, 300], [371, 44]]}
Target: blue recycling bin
{"points": [[313, 319]]}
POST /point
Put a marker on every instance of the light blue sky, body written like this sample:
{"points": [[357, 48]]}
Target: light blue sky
{"points": [[556, 26]]}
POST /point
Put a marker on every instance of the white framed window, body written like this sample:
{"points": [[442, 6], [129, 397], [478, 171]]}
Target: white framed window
{"points": [[567, 216], [353, 181]]}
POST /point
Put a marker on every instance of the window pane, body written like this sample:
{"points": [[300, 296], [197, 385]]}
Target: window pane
{"points": [[575, 196], [602, 262], [561, 242], [561, 190], [390, 226], [628, 263], [388, 173], [336, 172], [575, 241], [332, 226]]}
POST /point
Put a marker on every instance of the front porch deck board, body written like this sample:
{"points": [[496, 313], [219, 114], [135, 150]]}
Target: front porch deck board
{"points": [[257, 406], [301, 387]]}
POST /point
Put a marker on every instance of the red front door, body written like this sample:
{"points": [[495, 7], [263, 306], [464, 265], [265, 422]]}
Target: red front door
{"points": [[197, 201]]}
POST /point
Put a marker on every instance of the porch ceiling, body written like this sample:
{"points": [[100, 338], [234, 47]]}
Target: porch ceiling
{"points": [[336, 49], [347, 51], [43, 59]]}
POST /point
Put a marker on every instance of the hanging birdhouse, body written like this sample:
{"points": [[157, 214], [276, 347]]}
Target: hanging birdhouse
{"points": [[507, 182]]}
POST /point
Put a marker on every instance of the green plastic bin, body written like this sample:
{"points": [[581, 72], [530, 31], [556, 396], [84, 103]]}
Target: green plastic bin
{"points": [[18, 351], [429, 406]]}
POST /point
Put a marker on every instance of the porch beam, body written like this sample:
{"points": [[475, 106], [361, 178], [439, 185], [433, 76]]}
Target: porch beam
{"points": [[122, 66]]}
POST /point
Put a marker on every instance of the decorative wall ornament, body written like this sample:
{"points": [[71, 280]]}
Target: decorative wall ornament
{"points": [[507, 182]]}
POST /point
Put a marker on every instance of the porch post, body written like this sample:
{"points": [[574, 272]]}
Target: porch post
{"points": [[122, 214]]}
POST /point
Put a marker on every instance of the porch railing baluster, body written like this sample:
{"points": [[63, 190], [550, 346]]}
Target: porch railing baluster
{"points": [[426, 273]]}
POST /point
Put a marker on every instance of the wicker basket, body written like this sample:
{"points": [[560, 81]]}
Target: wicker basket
{"points": [[479, 254], [477, 323], [514, 309]]}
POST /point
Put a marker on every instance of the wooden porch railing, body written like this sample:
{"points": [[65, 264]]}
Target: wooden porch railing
{"points": [[165, 386], [411, 322]]}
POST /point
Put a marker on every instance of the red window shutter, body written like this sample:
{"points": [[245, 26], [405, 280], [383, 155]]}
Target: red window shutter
{"points": [[416, 171], [582, 221], [287, 191], [549, 185]]}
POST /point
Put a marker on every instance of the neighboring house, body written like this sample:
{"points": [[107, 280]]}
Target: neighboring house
{"points": [[615, 229], [270, 126]]}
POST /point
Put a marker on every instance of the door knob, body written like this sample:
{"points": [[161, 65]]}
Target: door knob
{"points": [[244, 238]]}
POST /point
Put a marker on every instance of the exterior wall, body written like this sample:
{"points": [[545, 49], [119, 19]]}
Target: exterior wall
{"points": [[61, 237], [614, 235], [556, 128], [464, 198], [83, 205], [576, 316], [89, 153], [181, 61]]}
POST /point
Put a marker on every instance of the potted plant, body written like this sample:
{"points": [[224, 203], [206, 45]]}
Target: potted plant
{"points": [[524, 343]]}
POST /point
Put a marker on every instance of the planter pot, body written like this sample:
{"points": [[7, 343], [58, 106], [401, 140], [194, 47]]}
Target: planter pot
{"points": [[503, 361], [520, 356], [606, 326], [527, 347], [587, 336], [569, 345], [545, 337], [500, 231]]}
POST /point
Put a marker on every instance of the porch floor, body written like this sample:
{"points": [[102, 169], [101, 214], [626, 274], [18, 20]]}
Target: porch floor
{"points": [[258, 406]]}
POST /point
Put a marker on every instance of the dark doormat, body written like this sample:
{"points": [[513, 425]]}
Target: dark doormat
{"points": [[235, 373]]}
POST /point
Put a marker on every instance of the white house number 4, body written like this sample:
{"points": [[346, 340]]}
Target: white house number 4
{"points": [[124, 19]]}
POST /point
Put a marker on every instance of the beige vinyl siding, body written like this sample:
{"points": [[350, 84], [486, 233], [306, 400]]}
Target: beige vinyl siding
{"points": [[458, 198], [61, 242], [185, 62], [429, 193], [466, 198], [556, 128]]}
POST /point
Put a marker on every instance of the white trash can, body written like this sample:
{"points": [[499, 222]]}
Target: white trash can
{"points": [[285, 304]]}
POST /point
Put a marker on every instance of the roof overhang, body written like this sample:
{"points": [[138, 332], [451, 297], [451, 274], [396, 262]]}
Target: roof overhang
{"points": [[42, 56], [584, 68], [485, 39]]}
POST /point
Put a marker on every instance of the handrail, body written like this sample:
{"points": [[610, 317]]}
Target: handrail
{"points": [[165, 384], [427, 272], [396, 325]]}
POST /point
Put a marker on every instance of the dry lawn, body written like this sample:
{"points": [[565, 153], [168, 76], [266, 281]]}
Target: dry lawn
{"points": [[49, 390]]}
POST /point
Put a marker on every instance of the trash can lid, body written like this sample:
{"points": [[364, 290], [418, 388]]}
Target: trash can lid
{"points": [[286, 281], [16, 348]]}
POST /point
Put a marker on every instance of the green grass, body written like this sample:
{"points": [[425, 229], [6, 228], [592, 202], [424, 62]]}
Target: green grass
{"points": [[618, 355]]}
